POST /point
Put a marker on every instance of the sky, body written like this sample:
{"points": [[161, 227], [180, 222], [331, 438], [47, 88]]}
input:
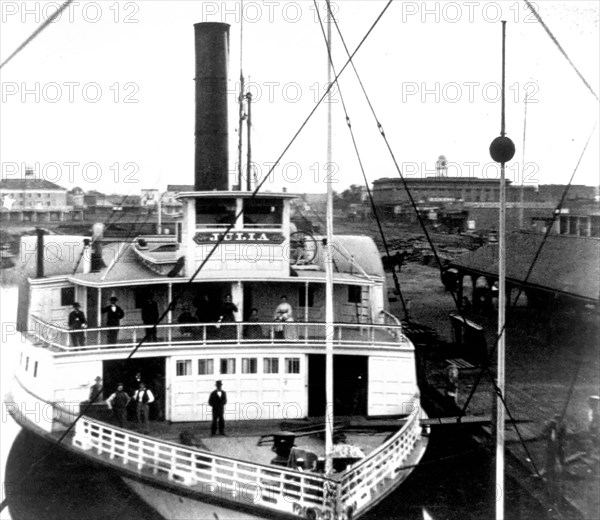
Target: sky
{"points": [[104, 97]]}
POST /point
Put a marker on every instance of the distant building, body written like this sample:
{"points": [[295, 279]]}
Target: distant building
{"points": [[477, 200], [150, 197], [35, 200], [170, 205]]}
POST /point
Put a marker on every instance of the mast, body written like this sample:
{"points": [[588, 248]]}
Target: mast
{"points": [[249, 152], [241, 102], [240, 127], [502, 150], [329, 273]]}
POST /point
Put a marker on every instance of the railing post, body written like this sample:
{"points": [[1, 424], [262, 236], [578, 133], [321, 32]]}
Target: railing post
{"points": [[126, 448], [156, 459], [140, 462], [135, 335]]}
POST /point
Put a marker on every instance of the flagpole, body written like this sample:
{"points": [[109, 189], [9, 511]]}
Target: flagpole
{"points": [[329, 272], [502, 150]]}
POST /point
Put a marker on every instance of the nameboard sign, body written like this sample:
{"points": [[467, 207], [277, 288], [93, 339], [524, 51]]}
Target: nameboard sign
{"points": [[246, 237]]}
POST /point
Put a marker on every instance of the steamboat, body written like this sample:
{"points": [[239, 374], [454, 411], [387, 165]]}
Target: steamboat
{"points": [[217, 288]]}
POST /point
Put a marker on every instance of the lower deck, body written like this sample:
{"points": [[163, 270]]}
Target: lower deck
{"points": [[253, 441], [236, 470]]}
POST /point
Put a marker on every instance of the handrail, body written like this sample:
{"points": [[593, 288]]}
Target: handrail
{"points": [[394, 318], [273, 487], [383, 464], [247, 333]]}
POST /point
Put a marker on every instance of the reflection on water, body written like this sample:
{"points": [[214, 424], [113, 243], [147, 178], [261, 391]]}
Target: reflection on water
{"points": [[63, 487]]}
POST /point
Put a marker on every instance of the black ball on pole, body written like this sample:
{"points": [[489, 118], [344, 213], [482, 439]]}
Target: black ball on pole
{"points": [[502, 149]]}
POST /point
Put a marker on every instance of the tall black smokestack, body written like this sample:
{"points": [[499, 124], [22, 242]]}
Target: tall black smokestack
{"points": [[212, 140]]}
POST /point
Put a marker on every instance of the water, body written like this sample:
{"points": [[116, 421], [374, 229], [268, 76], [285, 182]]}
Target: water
{"points": [[454, 480]]}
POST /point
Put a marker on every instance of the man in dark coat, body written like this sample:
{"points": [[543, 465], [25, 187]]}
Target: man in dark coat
{"points": [[217, 401], [118, 402], [114, 315], [77, 323], [96, 391], [228, 308], [150, 317], [205, 310]]}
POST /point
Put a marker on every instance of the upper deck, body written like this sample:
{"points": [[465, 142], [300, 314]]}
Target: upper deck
{"points": [[247, 336]]}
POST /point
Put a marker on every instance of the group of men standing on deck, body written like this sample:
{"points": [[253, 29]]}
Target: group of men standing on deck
{"points": [[143, 397], [114, 315], [119, 402], [205, 313]]}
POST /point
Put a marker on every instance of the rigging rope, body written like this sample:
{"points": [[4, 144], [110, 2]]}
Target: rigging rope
{"points": [[486, 368], [559, 47], [36, 33], [392, 155], [220, 240], [412, 201], [555, 215], [362, 169]]}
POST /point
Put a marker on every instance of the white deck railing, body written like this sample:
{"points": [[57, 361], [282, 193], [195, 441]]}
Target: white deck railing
{"points": [[356, 486], [271, 487], [205, 334]]}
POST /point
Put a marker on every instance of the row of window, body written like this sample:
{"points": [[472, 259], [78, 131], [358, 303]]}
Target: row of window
{"points": [[257, 212], [32, 204], [31, 195], [184, 367]]}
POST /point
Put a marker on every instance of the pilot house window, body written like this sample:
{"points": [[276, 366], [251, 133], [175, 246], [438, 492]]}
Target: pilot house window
{"points": [[215, 213], [263, 213]]}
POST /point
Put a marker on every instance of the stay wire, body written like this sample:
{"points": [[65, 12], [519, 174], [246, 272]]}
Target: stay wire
{"points": [[36, 33], [219, 241], [392, 155], [454, 297], [360, 163], [555, 214], [559, 47]]}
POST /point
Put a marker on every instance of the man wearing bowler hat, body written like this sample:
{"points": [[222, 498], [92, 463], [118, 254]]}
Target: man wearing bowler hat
{"points": [[77, 323], [217, 401], [114, 315]]}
